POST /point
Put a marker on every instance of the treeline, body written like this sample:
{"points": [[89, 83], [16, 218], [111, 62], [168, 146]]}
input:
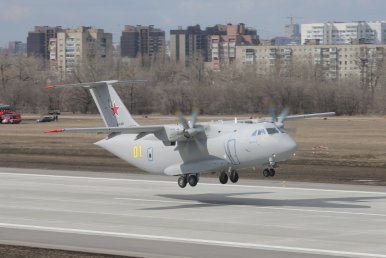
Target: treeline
{"points": [[171, 87]]}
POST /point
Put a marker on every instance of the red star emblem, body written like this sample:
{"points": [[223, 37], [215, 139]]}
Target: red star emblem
{"points": [[114, 108]]}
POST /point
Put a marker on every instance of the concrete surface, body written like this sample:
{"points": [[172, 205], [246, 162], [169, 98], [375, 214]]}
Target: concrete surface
{"points": [[150, 216]]}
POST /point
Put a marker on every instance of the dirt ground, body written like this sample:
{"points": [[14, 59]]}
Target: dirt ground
{"points": [[336, 149], [10, 251]]}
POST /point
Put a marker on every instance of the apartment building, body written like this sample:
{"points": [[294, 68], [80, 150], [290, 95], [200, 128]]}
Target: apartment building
{"points": [[223, 47], [73, 46], [141, 41], [329, 61], [331, 33], [38, 40], [192, 42]]}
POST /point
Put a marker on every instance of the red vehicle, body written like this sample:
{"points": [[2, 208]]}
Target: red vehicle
{"points": [[8, 115]]}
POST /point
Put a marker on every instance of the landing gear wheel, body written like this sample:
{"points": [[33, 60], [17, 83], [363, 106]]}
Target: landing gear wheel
{"points": [[192, 179], [266, 172], [272, 172], [223, 178], [234, 177], [182, 181]]}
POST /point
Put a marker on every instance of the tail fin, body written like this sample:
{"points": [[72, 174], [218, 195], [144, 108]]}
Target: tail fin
{"points": [[110, 105]]}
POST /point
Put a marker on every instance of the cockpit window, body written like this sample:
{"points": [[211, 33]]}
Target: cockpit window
{"points": [[272, 130], [261, 132], [254, 133]]}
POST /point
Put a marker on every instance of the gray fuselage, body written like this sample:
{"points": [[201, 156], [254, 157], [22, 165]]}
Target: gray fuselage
{"points": [[224, 145]]}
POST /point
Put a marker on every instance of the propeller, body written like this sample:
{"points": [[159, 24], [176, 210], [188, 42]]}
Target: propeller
{"points": [[279, 120], [191, 128]]}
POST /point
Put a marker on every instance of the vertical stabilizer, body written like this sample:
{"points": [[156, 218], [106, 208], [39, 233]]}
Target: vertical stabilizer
{"points": [[110, 105]]}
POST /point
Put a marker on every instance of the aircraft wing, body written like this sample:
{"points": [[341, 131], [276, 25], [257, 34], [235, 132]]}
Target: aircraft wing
{"points": [[310, 115], [292, 117], [125, 130]]}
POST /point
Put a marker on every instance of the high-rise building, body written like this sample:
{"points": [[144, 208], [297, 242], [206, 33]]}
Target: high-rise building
{"points": [[141, 41], [223, 47], [292, 32], [344, 32], [214, 44], [74, 46], [38, 40], [192, 42]]}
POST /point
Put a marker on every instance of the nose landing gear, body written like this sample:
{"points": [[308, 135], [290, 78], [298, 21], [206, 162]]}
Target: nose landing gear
{"points": [[269, 172]]}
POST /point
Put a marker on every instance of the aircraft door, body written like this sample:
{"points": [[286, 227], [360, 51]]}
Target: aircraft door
{"points": [[230, 149]]}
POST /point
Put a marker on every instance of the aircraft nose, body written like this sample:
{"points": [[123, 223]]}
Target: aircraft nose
{"points": [[292, 146], [288, 148]]}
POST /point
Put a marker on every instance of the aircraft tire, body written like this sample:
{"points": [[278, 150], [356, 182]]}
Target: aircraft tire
{"points": [[223, 178], [272, 172], [192, 179], [266, 172], [182, 181], [234, 177]]}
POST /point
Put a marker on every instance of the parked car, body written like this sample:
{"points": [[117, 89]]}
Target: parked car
{"points": [[45, 119]]}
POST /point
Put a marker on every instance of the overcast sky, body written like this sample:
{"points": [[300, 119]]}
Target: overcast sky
{"points": [[17, 17]]}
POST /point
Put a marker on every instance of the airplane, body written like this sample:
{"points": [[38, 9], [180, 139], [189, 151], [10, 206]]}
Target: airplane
{"points": [[189, 148]]}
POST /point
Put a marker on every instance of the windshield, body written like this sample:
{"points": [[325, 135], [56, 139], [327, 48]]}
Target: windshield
{"points": [[272, 130]]}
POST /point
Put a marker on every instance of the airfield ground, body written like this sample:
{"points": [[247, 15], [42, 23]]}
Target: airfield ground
{"points": [[349, 150], [334, 150]]}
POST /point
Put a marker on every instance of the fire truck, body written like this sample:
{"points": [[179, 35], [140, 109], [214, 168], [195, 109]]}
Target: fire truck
{"points": [[8, 115]]}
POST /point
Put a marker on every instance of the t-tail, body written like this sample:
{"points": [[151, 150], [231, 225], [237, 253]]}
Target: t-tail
{"points": [[110, 105]]}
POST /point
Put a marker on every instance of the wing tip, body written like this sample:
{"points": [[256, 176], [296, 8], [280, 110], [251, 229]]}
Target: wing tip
{"points": [[55, 130]]}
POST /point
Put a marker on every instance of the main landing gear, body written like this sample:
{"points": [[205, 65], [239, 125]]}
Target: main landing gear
{"points": [[233, 176], [192, 179]]}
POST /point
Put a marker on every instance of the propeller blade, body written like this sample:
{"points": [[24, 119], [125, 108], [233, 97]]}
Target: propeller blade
{"points": [[273, 114], [183, 121], [283, 115], [194, 119]]}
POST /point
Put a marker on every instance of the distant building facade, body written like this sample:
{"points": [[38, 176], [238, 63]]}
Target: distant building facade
{"points": [[329, 61], [17, 47], [292, 32], [192, 42], [72, 46], [344, 32], [214, 45], [223, 47], [38, 40], [141, 41]]}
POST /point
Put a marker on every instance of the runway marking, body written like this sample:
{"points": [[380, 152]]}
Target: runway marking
{"points": [[163, 201], [193, 240], [260, 207], [208, 184]]}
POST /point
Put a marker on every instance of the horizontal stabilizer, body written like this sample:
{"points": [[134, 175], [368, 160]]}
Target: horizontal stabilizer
{"points": [[125, 130], [94, 84]]}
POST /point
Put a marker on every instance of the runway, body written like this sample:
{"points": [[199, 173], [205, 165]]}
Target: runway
{"points": [[150, 216]]}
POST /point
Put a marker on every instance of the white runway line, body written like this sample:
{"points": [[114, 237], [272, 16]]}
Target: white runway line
{"points": [[194, 241]]}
